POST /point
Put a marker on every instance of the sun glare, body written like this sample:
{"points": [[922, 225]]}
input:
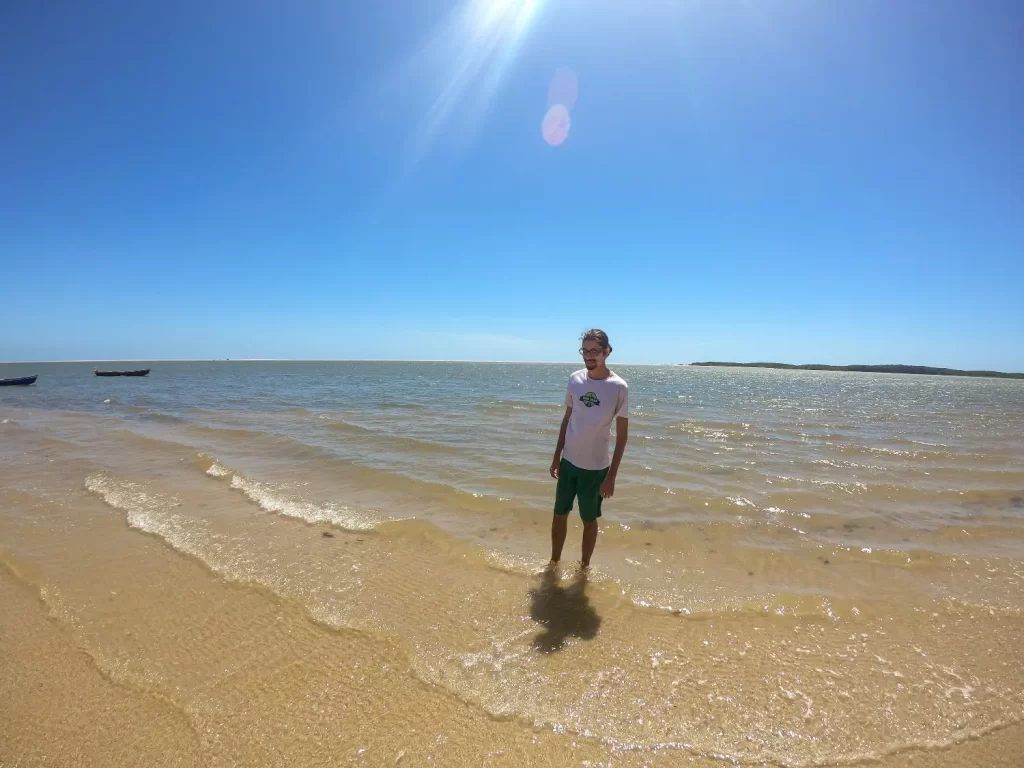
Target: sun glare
{"points": [[473, 47]]}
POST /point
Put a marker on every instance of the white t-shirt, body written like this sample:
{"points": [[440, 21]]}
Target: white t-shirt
{"points": [[595, 405]]}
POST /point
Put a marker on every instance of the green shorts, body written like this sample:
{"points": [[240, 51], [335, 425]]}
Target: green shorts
{"points": [[582, 484]]}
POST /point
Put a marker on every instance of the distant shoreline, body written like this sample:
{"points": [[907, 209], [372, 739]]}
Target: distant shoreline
{"points": [[924, 370]]}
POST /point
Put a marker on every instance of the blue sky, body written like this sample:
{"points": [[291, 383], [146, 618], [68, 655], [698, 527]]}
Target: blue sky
{"points": [[790, 180]]}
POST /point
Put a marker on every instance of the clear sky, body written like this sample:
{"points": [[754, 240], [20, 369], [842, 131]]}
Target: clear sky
{"points": [[791, 180]]}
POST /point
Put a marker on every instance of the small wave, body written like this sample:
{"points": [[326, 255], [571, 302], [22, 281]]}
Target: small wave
{"points": [[149, 512], [740, 501], [270, 499], [779, 604], [415, 489], [693, 604], [710, 430], [142, 442], [166, 418], [910, 452], [204, 412], [508, 562], [400, 442], [506, 406], [345, 426], [154, 513], [985, 498], [218, 470], [230, 433], [399, 404], [850, 487], [248, 438]]}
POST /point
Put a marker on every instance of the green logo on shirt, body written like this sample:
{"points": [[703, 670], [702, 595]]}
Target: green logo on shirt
{"points": [[589, 400]]}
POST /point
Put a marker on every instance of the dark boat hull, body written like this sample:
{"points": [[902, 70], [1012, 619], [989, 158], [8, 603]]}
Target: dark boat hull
{"points": [[24, 381], [142, 372]]}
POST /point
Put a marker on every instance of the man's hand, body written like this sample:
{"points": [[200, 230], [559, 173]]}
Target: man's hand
{"points": [[555, 464], [608, 487]]}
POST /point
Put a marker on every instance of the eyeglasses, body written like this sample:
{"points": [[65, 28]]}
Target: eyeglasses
{"points": [[591, 352]]}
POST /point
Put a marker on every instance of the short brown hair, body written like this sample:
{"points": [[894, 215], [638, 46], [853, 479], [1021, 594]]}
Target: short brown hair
{"points": [[596, 334]]}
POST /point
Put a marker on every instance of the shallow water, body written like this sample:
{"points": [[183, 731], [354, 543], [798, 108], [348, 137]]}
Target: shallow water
{"points": [[798, 567]]}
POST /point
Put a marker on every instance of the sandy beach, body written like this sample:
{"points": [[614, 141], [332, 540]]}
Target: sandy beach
{"points": [[208, 587], [300, 695]]}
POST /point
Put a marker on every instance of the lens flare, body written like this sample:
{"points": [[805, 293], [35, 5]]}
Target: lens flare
{"points": [[555, 126]]}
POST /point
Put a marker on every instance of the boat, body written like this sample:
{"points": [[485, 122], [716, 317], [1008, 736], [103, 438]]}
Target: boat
{"points": [[140, 372], [24, 381]]}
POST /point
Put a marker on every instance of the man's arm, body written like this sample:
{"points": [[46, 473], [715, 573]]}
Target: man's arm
{"points": [[621, 436], [561, 442]]}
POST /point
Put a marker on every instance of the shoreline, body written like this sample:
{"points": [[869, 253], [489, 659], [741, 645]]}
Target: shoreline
{"points": [[914, 370]]}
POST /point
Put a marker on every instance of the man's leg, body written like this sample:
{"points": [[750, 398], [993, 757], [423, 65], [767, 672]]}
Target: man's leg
{"points": [[559, 525], [589, 540], [589, 497], [565, 493]]}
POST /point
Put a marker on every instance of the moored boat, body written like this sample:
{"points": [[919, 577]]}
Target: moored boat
{"points": [[22, 381]]}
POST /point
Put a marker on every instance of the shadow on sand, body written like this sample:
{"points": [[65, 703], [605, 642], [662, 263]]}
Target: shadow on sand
{"points": [[562, 611]]}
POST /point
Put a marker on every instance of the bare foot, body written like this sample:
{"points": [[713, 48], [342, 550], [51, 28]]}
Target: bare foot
{"points": [[551, 567]]}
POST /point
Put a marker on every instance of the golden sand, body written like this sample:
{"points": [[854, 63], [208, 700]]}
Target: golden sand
{"points": [[290, 693]]}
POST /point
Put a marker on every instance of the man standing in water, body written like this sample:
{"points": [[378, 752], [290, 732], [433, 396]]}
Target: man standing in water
{"points": [[594, 398]]}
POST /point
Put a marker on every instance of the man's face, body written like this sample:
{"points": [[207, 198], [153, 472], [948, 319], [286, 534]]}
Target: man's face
{"points": [[593, 354]]}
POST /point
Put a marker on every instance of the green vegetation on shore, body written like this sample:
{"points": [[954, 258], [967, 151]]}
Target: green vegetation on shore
{"points": [[922, 369]]}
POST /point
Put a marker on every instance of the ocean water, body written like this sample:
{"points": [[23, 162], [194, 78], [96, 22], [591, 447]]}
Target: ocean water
{"points": [[797, 567]]}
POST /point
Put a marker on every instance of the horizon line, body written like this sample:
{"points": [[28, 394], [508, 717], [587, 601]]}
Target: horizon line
{"points": [[422, 360]]}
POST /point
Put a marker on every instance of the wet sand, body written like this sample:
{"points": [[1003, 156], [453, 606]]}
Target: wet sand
{"points": [[280, 691]]}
